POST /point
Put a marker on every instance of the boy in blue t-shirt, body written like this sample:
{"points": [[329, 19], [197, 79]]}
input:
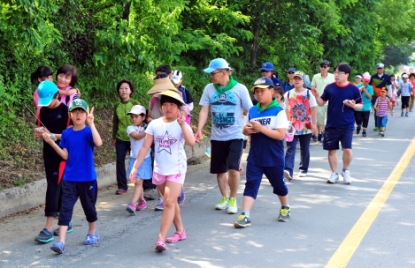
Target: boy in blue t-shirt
{"points": [[267, 125], [77, 148]]}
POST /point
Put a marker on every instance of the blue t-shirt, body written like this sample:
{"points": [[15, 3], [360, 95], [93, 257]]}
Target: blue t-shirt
{"points": [[80, 146], [406, 88], [367, 103], [267, 152], [340, 115]]}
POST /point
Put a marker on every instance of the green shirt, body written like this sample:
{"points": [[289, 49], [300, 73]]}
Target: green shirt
{"points": [[320, 83], [121, 120]]}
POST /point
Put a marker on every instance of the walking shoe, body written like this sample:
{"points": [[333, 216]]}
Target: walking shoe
{"points": [[232, 208], [287, 175], [376, 129], [314, 137], [223, 204], [181, 197], [131, 208], [358, 129], [177, 236], [319, 137], [44, 236], [402, 114], [302, 173], [334, 177], [58, 247], [382, 134], [91, 239], [284, 214], [406, 114], [346, 177], [364, 133], [160, 245], [151, 194], [160, 205], [121, 191], [242, 221], [69, 230], [141, 205]]}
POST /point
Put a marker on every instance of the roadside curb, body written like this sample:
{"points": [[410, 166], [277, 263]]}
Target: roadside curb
{"points": [[32, 194]]}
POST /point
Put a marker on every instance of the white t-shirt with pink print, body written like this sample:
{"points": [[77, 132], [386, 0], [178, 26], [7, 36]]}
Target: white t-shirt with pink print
{"points": [[169, 155]]}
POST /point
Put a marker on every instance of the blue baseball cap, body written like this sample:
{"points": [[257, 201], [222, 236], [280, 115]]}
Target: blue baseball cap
{"points": [[267, 66], [46, 90], [292, 69], [263, 82], [217, 64]]}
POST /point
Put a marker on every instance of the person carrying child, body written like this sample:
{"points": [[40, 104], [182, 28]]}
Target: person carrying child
{"points": [[80, 178], [267, 125], [382, 104], [169, 133], [66, 78], [54, 117], [137, 134]]}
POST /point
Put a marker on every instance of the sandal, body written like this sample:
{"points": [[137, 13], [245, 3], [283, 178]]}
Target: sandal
{"points": [[177, 236], [160, 246]]}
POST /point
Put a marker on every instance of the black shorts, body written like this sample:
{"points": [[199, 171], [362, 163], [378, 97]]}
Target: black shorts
{"points": [[225, 155], [332, 137]]}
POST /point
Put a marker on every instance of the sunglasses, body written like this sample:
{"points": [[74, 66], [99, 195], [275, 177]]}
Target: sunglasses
{"points": [[290, 72], [324, 66]]}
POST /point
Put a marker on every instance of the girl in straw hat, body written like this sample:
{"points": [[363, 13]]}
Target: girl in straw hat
{"points": [[169, 134]]}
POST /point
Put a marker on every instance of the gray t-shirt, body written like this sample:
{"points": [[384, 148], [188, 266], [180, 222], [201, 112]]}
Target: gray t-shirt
{"points": [[226, 111]]}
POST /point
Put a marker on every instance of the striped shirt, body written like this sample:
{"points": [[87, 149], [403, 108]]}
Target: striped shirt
{"points": [[382, 107]]}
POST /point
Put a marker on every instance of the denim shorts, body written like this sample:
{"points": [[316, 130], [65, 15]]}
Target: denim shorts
{"points": [[144, 171], [381, 121]]}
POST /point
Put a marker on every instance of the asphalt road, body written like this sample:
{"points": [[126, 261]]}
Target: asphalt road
{"points": [[322, 217]]}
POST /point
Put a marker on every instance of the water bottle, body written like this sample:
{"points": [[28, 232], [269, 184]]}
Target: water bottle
{"points": [[207, 152]]}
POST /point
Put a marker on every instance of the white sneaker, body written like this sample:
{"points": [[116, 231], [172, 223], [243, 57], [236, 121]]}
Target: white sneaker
{"points": [[232, 208], [223, 204], [334, 177], [346, 177], [287, 175]]}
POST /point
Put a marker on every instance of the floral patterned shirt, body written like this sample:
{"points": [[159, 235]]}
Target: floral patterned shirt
{"points": [[298, 108]]}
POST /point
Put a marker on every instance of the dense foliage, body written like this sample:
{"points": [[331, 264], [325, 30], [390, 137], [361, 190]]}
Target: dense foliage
{"points": [[108, 40]]}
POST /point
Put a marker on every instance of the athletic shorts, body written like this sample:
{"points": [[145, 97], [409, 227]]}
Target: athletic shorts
{"points": [[160, 179], [321, 115], [275, 176], [144, 171], [334, 136], [225, 155]]}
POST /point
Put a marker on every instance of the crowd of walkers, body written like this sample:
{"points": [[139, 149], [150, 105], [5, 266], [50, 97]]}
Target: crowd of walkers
{"points": [[272, 117]]}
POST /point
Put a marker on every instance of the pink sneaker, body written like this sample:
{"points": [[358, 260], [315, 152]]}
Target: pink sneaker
{"points": [[131, 208], [141, 205], [177, 236]]}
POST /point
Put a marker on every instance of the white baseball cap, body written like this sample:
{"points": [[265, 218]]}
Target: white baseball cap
{"points": [[177, 76], [137, 109]]}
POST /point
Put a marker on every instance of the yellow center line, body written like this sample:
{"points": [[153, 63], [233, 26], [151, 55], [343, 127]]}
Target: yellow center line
{"points": [[349, 245]]}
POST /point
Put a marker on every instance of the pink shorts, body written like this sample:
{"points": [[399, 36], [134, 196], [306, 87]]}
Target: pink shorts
{"points": [[160, 179]]}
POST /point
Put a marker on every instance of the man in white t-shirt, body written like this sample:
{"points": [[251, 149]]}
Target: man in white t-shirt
{"points": [[226, 99]]}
